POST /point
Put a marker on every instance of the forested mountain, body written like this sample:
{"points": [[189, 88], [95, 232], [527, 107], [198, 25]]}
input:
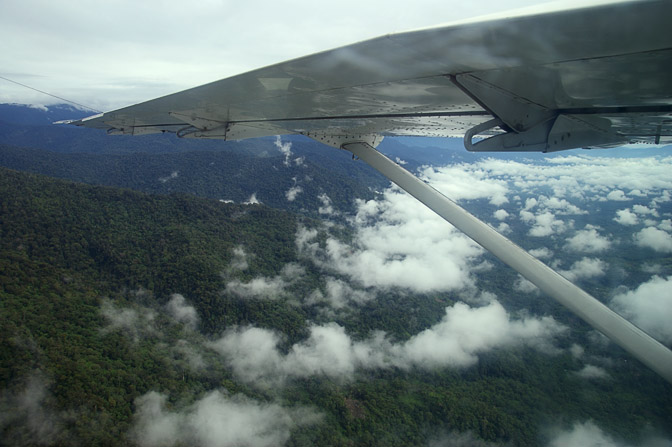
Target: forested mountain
{"points": [[162, 318]]}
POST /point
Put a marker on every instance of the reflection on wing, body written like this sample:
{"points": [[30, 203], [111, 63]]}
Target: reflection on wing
{"points": [[596, 76]]}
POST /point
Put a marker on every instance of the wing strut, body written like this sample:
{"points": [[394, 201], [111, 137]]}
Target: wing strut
{"points": [[622, 332]]}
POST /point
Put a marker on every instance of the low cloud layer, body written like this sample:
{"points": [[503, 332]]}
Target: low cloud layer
{"points": [[584, 269], [588, 240], [649, 306], [589, 434], [264, 287], [27, 415], [655, 239], [135, 323], [216, 420], [181, 311], [399, 243], [456, 341]]}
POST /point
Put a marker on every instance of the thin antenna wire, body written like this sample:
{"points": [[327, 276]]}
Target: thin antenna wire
{"points": [[49, 94]]}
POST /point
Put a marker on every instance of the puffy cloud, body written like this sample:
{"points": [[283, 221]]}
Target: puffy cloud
{"points": [[466, 182], [501, 214], [457, 439], [27, 415], [618, 196], [645, 210], [239, 261], [543, 224], [503, 228], [252, 200], [576, 351], [293, 192], [338, 294], [523, 285], [173, 175], [462, 334], [263, 287], [327, 207], [588, 241], [626, 217], [584, 269], [589, 434], [592, 372], [216, 420], [559, 206], [136, 323], [419, 252], [285, 149], [649, 306], [655, 239], [181, 311], [398, 243], [666, 225], [541, 253]]}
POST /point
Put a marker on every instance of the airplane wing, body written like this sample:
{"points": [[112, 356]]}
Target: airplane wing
{"points": [[593, 76]]}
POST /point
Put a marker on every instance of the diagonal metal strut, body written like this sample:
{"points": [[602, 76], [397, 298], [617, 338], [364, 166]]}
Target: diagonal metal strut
{"points": [[622, 332]]}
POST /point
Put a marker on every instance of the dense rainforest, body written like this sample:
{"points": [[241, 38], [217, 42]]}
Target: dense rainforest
{"points": [[157, 292], [87, 280]]}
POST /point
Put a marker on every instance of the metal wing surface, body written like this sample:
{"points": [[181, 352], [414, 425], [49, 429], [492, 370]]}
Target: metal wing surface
{"points": [[597, 75]]}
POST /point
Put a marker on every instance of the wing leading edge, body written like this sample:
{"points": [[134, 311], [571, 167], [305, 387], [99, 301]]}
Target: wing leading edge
{"points": [[589, 77]]}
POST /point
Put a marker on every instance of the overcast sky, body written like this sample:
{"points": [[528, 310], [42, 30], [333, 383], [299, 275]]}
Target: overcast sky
{"points": [[110, 54]]}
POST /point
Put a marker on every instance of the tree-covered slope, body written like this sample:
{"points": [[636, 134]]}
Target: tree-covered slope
{"points": [[130, 318]]}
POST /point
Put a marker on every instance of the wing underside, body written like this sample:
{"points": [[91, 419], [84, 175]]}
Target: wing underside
{"points": [[590, 77]]}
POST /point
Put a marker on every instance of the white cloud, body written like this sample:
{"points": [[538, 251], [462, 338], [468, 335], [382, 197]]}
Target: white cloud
{"points": [[327, 207], [655, 239], [503, 228], [399, 243], [464, 332], [523, 285], [644, 210], [285, 149], [588, 241], [263, 287], [339, 294], [27, 415], [584, 269], [649, 306], [501, 214], [135, 323], [216, 420], [293, 192], [252, 200], [456, 341], [618, 196], [240, 260], [181, 311], [593, 372], [458, 183], [543, 224], [576, 351], [172, 176], [626, 217], [457, 439], [666, 225], [590, 435], [541, 253]]}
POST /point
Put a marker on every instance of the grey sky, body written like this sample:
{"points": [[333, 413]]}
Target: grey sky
{"points": [[110, 54]]}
